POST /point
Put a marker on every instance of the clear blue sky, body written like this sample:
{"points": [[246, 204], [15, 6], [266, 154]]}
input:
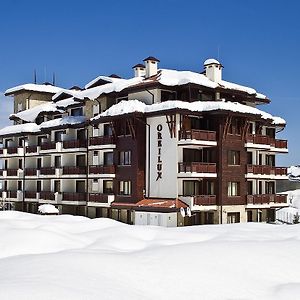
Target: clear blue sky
{"points": [[258, 42]]}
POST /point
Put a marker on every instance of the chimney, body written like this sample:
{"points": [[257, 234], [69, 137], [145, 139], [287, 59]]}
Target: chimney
{"points": [[213, 70], [139, 70], [151, 66]]}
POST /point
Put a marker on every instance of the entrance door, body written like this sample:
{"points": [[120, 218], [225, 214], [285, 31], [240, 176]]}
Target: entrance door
{"points": [[233, 218]]}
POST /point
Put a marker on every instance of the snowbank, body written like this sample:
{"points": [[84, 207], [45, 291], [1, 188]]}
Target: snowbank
{"points": [[48, 209], [130, 106], [66, 257]]}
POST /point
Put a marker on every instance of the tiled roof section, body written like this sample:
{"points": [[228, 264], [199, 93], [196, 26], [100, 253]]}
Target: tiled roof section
{"points": [[138, 66], [161, 203]]}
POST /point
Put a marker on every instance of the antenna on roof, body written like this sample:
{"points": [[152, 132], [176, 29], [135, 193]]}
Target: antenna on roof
{"points": [[218, 52], [53, 78], [34, 76]]}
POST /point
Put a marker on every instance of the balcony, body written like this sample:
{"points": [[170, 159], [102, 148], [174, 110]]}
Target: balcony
{"points": [[74, 170], [102, 140], [47, 195], [100, 198], [205, 200], [30, 195], [266, 140], [74, 144], [31, 149], [12, 150], [197, 167], [200, 135], [48, 146], [47, 171], [74, 196], [12, 172], [30, 171], [102, 169], [266, 170], [266, 199]]}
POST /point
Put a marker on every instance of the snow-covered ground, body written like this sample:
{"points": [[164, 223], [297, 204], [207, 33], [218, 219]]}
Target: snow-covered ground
{"points": [[67, 257], [287, 214]]}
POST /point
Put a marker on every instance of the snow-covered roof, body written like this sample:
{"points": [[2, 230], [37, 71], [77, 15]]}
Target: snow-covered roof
{"points": [[131, 106], [42, 88], [101, 78], [67, 94], [65, 103], [115, 86], [48, 209], [294, 173], [28, 128], [20, 129], [211, 61], [67, 120], [29, 115]]}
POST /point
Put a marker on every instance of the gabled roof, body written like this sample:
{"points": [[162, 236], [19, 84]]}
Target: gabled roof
{"points": [[101, 80], [41, 88]]}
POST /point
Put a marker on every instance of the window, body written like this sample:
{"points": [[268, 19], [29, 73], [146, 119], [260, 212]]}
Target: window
{"points": [[107, 130], [249, 216], [77, 111], [38, 186], [249, 158], [249, 187], [57, 161], [271, 132], [56, 186], [95, 153], [95, 181], [233, 188], [235, 127], [270, 187], [108, 158], [124, 158], [125, 188], [190, 188], [270, 160], [39, 163], [20, 164], [108, 187], [233, 158], [167, 95], [19, 185], [58, 136]]}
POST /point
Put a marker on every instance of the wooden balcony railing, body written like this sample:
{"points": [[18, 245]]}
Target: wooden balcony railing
{"points": [[74, 196], [12, 172], [205, 200], [96, 197], [102, 140], [194, 134], [74, 144], [266, 170], [12, 150], [47, 171], [11, 194], [30, 194], [30, 171], [197, 167], [266, 198], [31, 149], [47, 195], [48, 146], [103, 169], [266, 140], [74, 170]]}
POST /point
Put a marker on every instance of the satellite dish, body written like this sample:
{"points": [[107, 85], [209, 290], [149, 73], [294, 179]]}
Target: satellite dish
{"points": [[188, 212], [182, 211]]}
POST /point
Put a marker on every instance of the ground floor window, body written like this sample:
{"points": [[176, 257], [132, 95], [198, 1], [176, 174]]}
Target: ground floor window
{"points": [[233, 217], [249, 216]]}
